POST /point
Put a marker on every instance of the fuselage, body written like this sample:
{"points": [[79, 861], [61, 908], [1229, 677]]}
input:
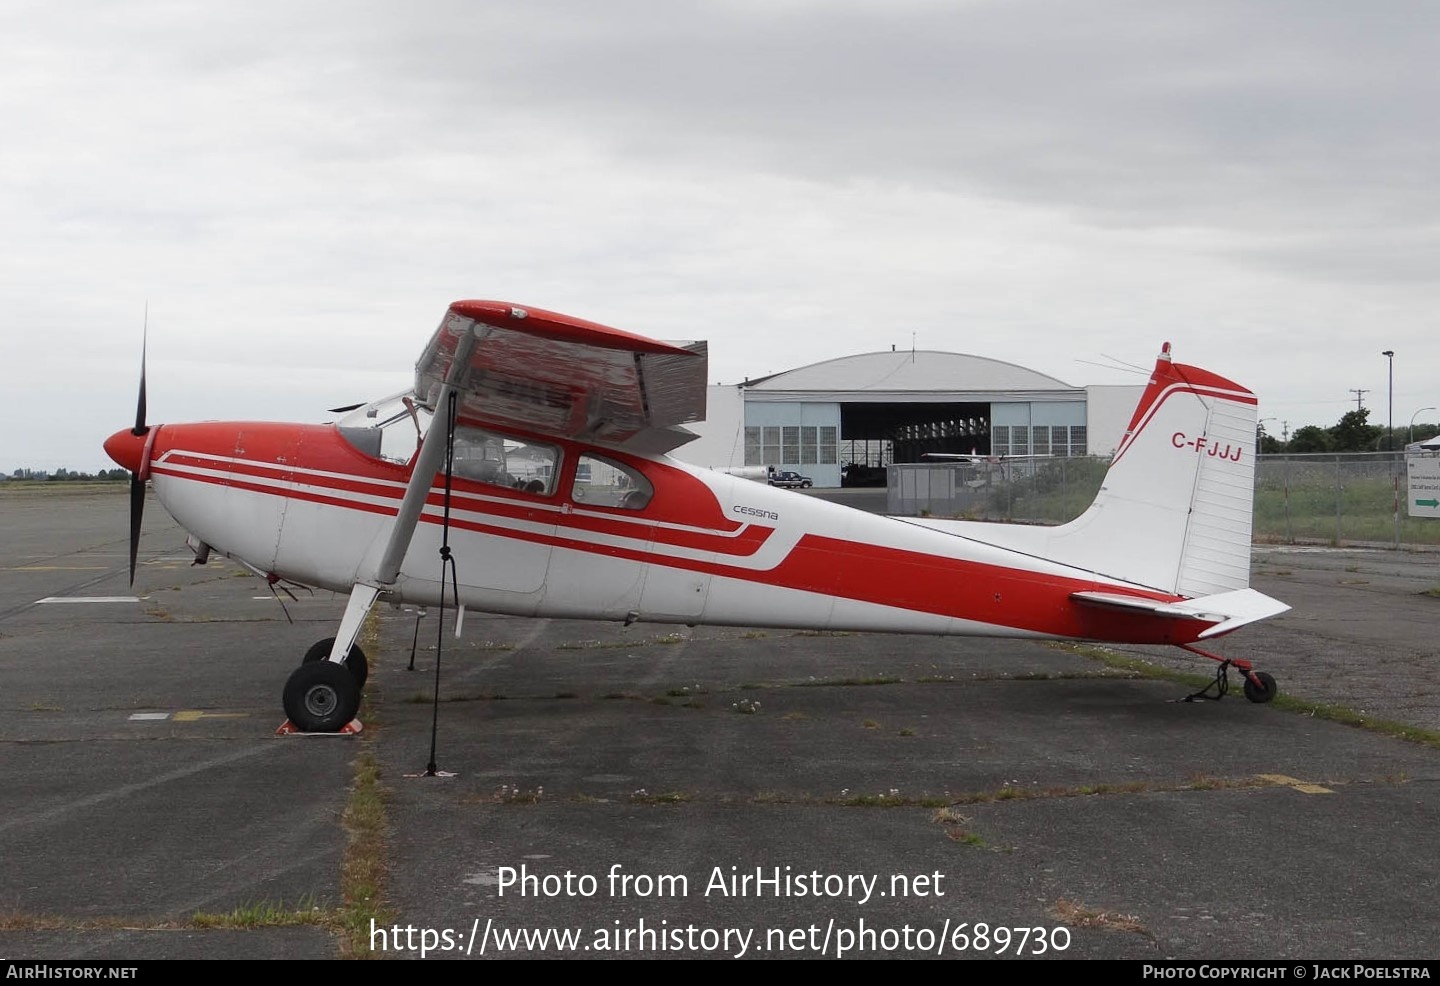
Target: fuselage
{"points": [[306, 503]]}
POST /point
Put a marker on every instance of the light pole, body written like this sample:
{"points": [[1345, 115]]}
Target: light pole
{"points": [[1260, 433], [1411, 440], [1389, 354]]}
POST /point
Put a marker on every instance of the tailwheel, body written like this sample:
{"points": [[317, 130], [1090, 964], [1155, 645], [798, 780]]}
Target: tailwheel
{"points": [[355, 661], [1260, 687], [321, 697]]}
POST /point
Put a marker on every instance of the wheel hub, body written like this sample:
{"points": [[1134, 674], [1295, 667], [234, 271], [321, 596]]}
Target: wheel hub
{"points": [[321, 700]]}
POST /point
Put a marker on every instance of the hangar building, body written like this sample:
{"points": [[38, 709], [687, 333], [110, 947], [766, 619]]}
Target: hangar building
{"points": [[861, 413]]}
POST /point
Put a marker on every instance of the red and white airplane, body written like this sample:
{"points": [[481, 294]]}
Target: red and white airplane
{"points": [[545, 475]]}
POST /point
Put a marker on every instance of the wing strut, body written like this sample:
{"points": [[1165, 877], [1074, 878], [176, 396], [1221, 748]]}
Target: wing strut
{"points": [[364, 593], [427, 464]]}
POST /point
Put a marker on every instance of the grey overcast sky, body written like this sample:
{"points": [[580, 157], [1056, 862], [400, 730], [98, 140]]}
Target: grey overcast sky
{"points": [[298, 189]]}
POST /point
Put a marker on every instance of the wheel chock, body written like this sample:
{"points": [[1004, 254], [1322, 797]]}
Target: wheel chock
{"points": [[288, 728]]}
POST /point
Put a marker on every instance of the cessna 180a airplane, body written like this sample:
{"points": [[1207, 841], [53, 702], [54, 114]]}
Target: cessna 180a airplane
{"points": [[542, 488]]}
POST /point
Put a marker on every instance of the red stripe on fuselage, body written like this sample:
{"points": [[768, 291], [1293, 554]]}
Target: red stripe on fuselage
{"points": [[906, 580]]}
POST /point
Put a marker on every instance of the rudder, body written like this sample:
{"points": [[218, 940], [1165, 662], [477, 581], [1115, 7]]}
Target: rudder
{"points": [[1174, 512]]}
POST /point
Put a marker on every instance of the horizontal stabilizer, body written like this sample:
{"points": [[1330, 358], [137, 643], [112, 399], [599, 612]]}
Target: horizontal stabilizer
{"points": [[1227, 610]]}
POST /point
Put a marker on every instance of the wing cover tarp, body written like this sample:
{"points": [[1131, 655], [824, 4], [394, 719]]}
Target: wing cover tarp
{"points": [[541, 372]]}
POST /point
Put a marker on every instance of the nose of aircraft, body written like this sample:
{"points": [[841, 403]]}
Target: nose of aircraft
{"points": [[126, 447]]}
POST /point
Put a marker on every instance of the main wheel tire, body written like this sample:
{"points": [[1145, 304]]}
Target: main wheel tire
{"points": [[321, 697], [1265, 693], [355, 662]]}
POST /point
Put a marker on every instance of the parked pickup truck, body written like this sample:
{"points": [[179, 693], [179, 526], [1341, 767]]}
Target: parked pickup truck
{"points": [[791, 480]]}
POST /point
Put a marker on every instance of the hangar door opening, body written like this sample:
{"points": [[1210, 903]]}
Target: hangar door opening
{"points": [[873, 436]]}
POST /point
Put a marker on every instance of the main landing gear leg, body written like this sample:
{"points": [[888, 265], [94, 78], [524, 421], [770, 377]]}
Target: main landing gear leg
{"points": [[322, 696], [1259, 686]]}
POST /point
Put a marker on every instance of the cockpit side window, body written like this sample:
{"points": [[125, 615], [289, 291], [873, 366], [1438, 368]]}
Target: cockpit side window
{"points": [[604, 482], [500, 460]]}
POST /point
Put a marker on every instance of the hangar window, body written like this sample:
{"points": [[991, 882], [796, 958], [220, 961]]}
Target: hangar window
{"points": [[790, 453], [1060, 439], [828, 438], [770, 451], [752, 446], [1000, 440], [808, 454], [1041, 439], [1077, 440], [1019, 440]]}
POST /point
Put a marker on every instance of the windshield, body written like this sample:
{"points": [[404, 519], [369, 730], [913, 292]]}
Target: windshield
{"points": [[390, 428]]}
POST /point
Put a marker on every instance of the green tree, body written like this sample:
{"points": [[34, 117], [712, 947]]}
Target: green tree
{"points": [[1311, 438], [1354, 434]]}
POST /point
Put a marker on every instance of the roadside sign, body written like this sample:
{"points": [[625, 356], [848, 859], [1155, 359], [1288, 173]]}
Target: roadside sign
{"points": [[1422, 469]]}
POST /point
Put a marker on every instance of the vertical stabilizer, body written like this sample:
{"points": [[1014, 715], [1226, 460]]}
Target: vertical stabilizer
{"points": [[1175, 509]]}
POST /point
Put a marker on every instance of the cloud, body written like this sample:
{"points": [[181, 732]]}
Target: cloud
{"points": [[298, 195]]}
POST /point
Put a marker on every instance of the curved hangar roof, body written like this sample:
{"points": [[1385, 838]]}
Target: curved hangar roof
{"points": [[906, 376]]}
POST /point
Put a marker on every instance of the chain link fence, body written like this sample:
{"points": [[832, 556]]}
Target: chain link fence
{"points": [[1339, 499]]}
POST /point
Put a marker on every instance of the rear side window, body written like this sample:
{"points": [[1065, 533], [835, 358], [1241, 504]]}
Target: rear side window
{"points": [[603, 482]]}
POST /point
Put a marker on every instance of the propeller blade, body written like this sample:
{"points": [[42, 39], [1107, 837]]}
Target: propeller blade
{"points": [[137, 485], [140, 426], [342, 410], [137, 512]]}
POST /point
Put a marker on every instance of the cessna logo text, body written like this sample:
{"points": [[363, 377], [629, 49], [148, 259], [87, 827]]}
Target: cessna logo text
{"points": [[755, 512], [1203, 446]]}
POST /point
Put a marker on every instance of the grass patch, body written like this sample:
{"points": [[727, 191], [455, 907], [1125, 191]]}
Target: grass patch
{"points": [[643, 797], [425, 698], [841, 682], [1075, 915], [954, 824], [890, 799], [265, 914], [1134, 665], [1359, 720], [1289, 703], [514, 794], [965, 837], [363, 870]]}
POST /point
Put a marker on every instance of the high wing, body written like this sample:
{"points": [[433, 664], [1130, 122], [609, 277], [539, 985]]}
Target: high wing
{"points": [[541, 372], [546, 373]]}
